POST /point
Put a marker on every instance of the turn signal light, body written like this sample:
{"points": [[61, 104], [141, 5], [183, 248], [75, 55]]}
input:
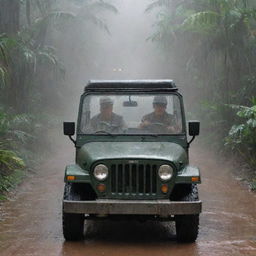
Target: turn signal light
{"points": [[101, 188], [195, 179], [71, 177], [164, 188]]}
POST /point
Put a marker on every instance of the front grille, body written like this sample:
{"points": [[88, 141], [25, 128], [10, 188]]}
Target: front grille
{"points": [[133, 179]]}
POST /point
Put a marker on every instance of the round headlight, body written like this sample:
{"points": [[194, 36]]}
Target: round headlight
{"points": [[100, 172], [165, 172]]}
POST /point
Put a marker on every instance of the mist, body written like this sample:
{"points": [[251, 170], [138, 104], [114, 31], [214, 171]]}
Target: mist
{"points": [[211, 61], [123, 53], [51, 50]]}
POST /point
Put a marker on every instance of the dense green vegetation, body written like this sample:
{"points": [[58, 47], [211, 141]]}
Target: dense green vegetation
{"points": [[242, 137], [210, 45], [32, 75]]}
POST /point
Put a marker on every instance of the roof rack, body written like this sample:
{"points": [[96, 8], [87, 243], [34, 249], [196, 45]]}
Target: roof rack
{"points": [[148, 85]]}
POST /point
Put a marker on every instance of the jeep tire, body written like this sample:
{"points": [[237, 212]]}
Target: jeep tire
{"points": [[187, 225], [73, 224]]}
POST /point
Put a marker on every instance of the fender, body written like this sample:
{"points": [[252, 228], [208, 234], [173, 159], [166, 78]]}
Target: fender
{"points": [[189, 174], [78, 174]]}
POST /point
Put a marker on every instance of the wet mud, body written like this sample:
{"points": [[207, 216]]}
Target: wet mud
{"points": [[30, 221]]}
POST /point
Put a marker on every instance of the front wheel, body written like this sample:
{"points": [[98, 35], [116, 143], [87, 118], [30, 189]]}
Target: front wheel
{"points": [[187, 225], [187, 228], [73, 224]]}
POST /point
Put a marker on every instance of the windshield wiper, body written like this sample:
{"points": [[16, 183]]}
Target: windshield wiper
{"points": [[103, 132], [153, 135]]}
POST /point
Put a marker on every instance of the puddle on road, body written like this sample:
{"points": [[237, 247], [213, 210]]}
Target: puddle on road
{"points": [[30, 223]]}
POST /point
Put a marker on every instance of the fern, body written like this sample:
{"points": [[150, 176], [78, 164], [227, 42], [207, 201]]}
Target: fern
{"points": [[15, 128], [10, 161], [242, 137]]}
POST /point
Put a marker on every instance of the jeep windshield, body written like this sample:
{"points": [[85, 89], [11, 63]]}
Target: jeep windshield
{"points": [[131, 114]]}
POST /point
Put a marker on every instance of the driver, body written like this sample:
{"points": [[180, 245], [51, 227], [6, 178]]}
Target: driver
{"points": [[159, 117], [107, 120]]}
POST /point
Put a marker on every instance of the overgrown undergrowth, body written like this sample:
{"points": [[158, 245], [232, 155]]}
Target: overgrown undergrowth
{"points": [[25, 140], [230, 130], [9, 182]]}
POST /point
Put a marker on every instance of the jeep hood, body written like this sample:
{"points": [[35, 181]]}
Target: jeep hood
{"points": [[100, 151]]}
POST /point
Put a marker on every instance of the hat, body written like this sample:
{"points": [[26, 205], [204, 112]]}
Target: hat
{"points": [[106, 100], [160, 100]]}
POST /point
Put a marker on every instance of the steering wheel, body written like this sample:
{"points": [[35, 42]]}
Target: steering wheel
{"points": [[156, 127], [107, 127], [104, 123]]}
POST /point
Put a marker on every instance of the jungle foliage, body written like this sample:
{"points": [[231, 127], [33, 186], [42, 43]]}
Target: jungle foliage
{"points": [[242, 135], [32, 75], [210, 46]]}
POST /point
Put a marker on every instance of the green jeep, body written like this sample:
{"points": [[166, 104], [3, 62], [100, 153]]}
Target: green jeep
{"points": [[132, 158]]}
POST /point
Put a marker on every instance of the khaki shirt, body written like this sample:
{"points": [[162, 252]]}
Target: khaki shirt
{"points": [[115, 124], [166, 119], [160, 124]]}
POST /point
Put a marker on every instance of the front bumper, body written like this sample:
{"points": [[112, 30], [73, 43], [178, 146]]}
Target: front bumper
{"points": [[132, 207]]}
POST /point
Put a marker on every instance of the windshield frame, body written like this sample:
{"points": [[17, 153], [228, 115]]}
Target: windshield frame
{"points": [[130, 92]]}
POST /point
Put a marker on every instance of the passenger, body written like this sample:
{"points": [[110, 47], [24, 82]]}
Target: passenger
{"points": [[159, 121], [107, 120]]}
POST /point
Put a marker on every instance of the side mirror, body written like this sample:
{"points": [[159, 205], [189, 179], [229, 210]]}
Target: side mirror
{"points": [[69, 128], [193, 129]]}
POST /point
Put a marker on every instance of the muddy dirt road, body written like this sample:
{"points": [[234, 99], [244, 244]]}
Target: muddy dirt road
{"points": [[30, 222]]}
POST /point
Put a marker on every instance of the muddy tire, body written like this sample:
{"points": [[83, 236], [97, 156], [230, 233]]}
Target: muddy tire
{"points": [[73, 224], [187, 225]]}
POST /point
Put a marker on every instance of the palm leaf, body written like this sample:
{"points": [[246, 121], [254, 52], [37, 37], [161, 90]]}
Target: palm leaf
{"points": [[102, 5], [3, 77], [250, 13], [47, 55], [88, 12], [20, 136], [94, 19], [56, 18], [157, 4], [21, 121], [199, 20], [6, 44], [59, 17], [164, 3], [28, 54], [98, 22]]}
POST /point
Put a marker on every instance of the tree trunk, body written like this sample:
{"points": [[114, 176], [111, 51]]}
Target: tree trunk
{"points": [[10, 25], [9, 16], [28, 12]]}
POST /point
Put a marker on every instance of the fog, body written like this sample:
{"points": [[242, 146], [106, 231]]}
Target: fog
{"points": [[123, 53]]}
